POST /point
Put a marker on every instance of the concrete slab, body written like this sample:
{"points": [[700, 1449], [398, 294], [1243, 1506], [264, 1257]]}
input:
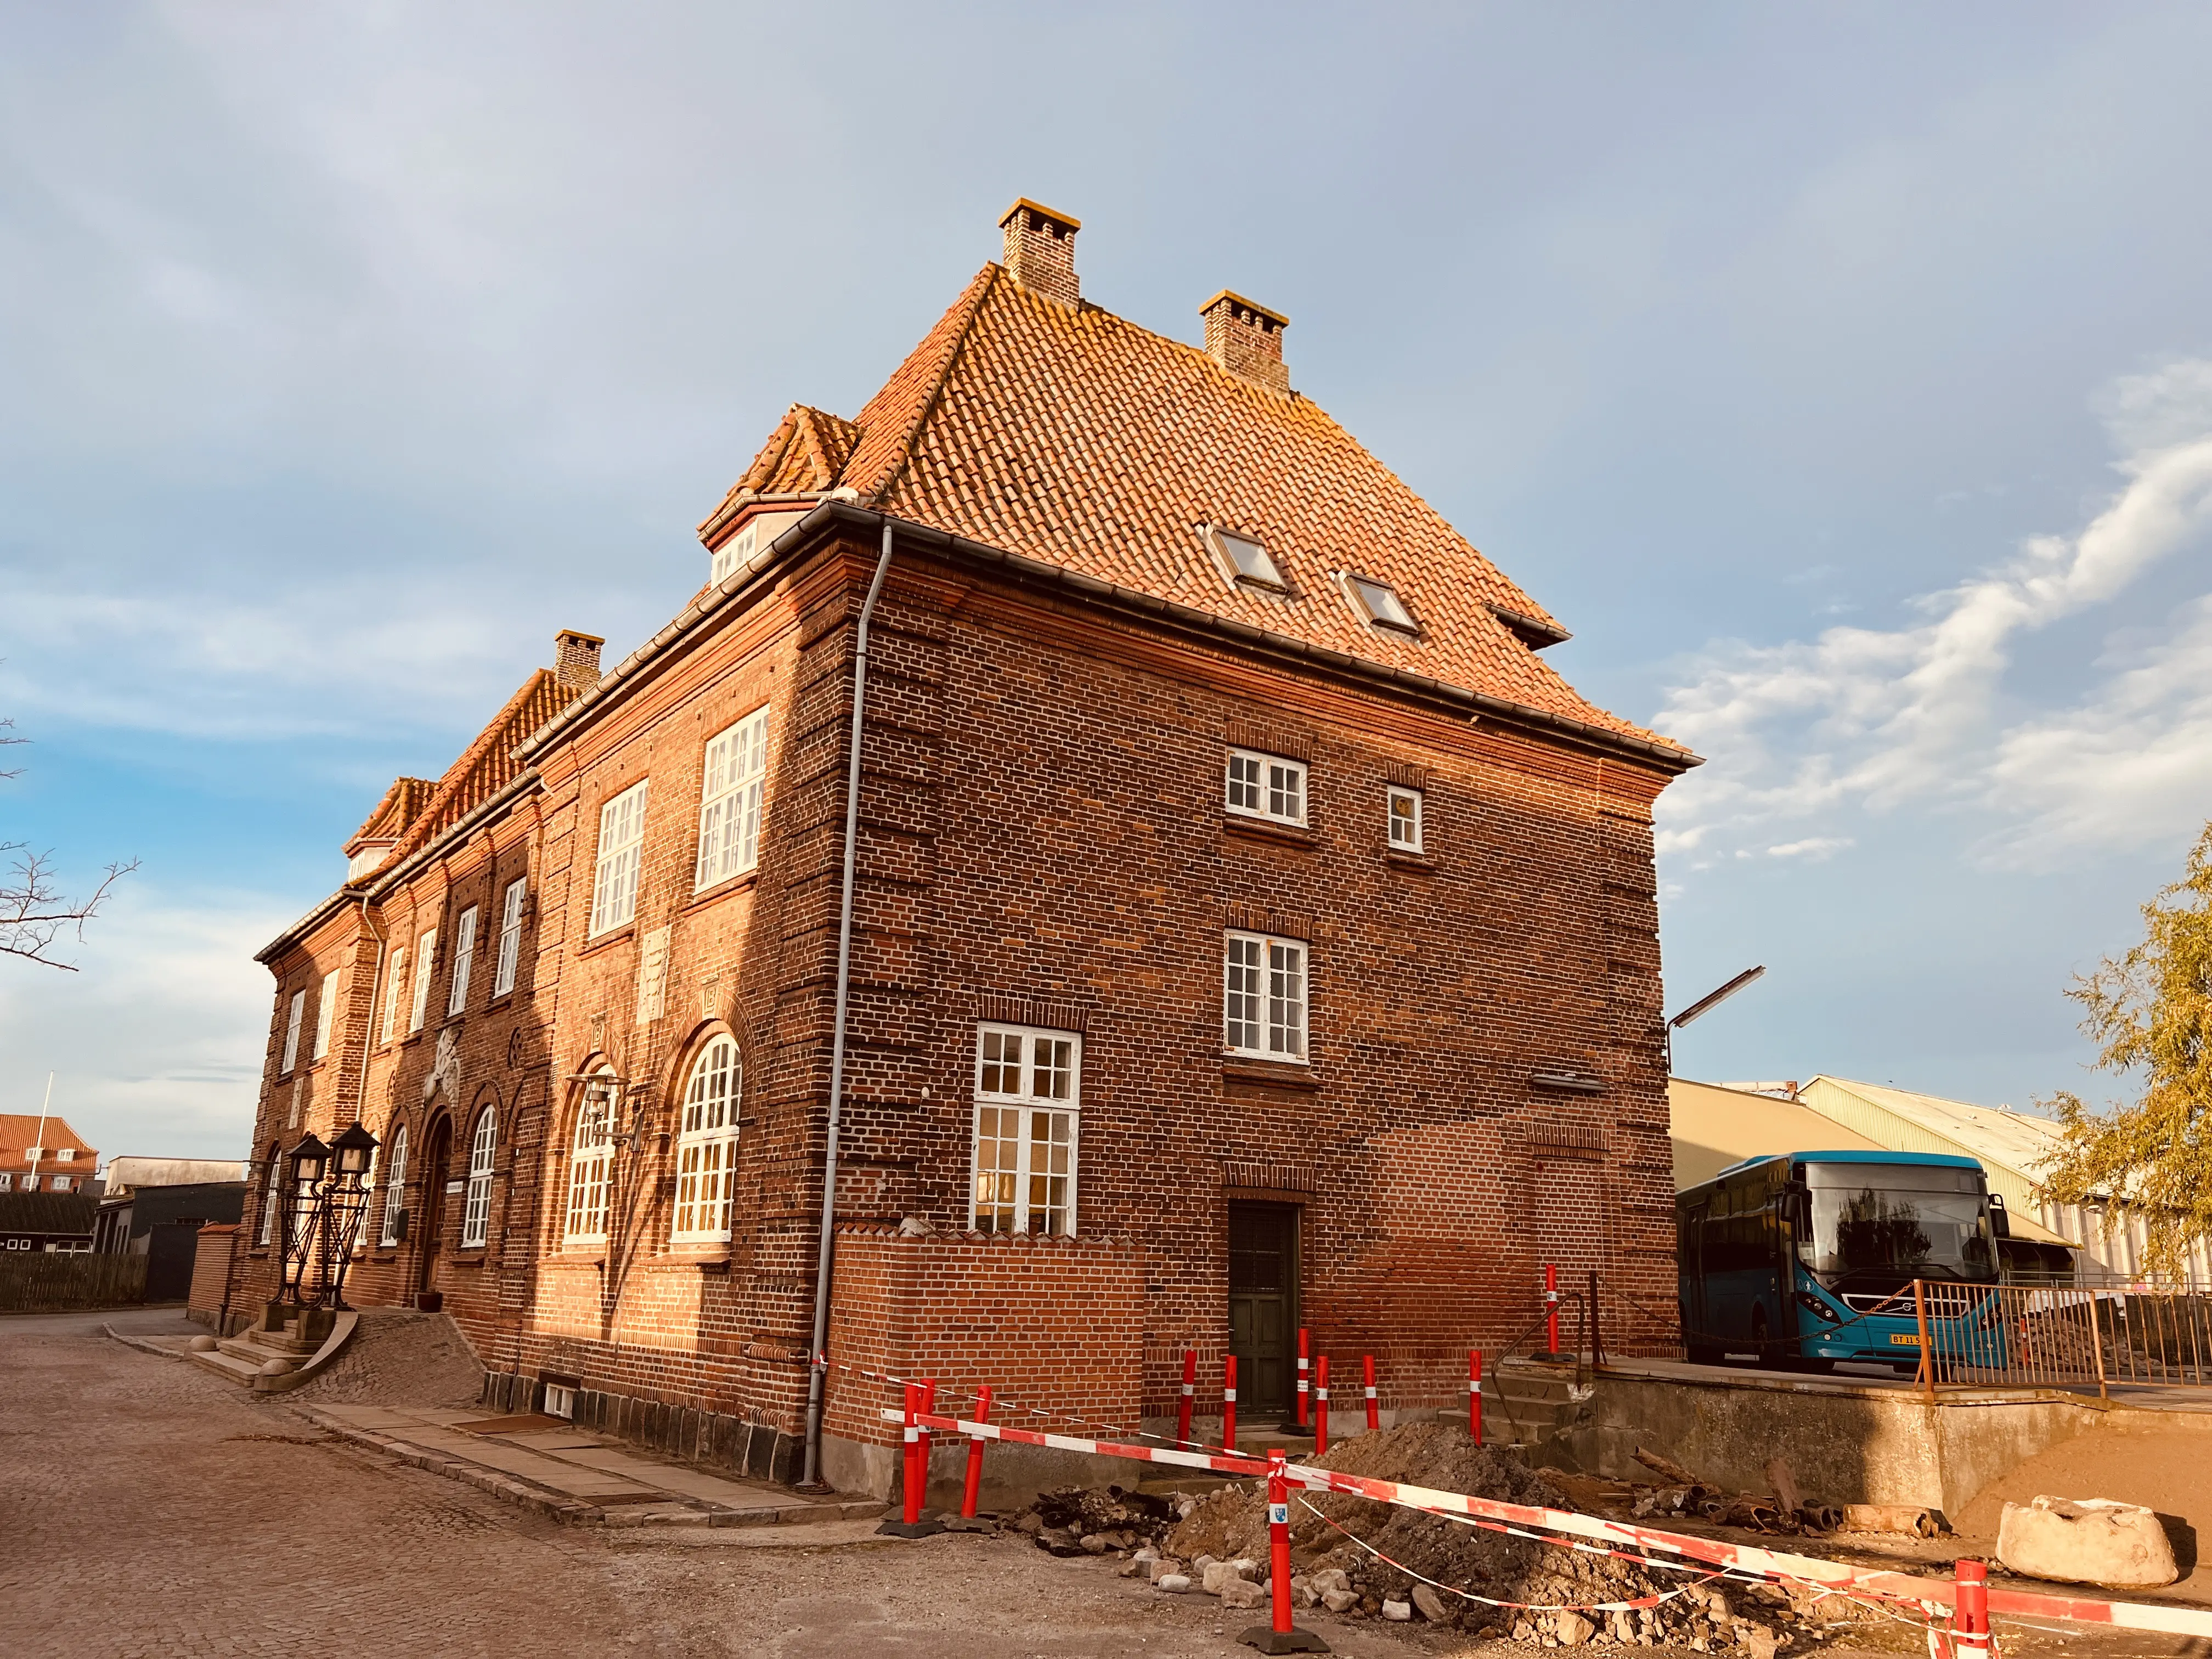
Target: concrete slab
{"points": [[547, 1440], [368, 1417]]}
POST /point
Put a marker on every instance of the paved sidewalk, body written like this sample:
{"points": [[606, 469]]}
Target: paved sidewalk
{"points": [[571, 1474]]}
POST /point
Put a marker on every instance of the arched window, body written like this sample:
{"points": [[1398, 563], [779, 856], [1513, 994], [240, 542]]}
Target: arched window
{"points": [[270, 1178], [476, 1207], [707, 1155], [395, 1188], [587, 1161]]}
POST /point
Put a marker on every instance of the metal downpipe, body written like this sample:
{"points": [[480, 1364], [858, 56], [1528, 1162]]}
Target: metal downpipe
{"points": [[818, 1361]]}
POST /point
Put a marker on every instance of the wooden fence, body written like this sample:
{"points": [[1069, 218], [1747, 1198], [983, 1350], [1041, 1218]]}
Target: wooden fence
{"points": [[40, 1283]]}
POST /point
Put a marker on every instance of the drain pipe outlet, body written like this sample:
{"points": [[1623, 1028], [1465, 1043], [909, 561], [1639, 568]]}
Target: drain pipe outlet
{"points": [[817, 1356]]}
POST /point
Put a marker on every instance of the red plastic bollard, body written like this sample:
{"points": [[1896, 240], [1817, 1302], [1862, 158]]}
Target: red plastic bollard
{"points": [[1189, 1389], [1970, 1619], [1278, 1537], [973, 1488], [1229, 1401], [1474, 1393], [1551, 1308], [1304, 1416], [1321, 1410], [912, 1512], [1374, 1408], [928, 1407]]}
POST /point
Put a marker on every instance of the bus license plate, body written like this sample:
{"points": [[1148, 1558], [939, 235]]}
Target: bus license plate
{"points": [[1899, 1340]]}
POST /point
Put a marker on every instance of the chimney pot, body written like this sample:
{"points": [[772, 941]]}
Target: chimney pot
{"points": [[576, 659], [1041, 250], [1246, 339]]}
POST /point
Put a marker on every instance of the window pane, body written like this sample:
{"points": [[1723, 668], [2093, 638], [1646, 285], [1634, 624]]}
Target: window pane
{"points": [[1286, 999], [1243, 994]]}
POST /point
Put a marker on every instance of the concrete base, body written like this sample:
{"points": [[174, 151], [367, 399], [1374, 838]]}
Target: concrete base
{"points": [[927, 1527], [1848, 1441], [1268, 1639]]}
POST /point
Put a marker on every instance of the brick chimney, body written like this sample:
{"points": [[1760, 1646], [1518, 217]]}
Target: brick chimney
{"points": [[576, 659], [1247, 338], [1041, 251]]}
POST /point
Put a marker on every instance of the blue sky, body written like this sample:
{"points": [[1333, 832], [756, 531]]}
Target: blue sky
{"points": [[1842, 376]]}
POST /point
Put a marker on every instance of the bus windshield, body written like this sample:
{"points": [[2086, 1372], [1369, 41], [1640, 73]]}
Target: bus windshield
{"points": [[1878, 1225]]}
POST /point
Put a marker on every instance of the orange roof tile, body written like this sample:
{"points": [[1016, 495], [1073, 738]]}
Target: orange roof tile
{"points": [[20, 1132], [391, 816], [487, 765], [1074, 436]]}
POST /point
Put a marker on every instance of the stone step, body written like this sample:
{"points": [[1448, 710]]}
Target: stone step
{"points": [[238, 1371], [248, 1352]]}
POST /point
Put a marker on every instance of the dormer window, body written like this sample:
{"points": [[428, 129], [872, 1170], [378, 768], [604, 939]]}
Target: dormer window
{"points": [[367, 860], [1378, 603], [1245, 561], [737, 550]]}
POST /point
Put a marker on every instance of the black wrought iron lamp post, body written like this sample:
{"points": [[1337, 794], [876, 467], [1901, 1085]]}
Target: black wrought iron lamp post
{"points": [[304, 1167], [322, 1214]]}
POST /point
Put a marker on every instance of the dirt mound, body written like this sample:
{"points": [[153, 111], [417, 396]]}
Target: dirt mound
{"points": [[400, 1358], [1232, 1522]]}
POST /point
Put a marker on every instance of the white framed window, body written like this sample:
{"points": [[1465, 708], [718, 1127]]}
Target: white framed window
{"points": [[622, 843], [395, 1188], [588, 1155], [327, 1008], [1243, 559], [465, 951], [66, 1154], [60, 1184], [1029, 1099], [292, 1031], [1264, 997], [368, 1201], [7, 1181], [1404, 806], [426, 955], [1265, 786], [730, 793], [706, 1153], [510, 936], [271, 1182], [731, 554], [476, 1203], [1378, 603], [559, 1400], [392, 994]]}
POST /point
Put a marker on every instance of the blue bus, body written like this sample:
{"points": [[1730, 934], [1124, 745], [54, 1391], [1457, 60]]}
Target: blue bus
{"points": [[1806, 1258]]}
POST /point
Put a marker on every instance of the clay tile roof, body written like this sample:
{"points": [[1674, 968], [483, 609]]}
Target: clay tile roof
{"points": [[487, 765], [1073, 436], [20, 1132], [399, 808]]}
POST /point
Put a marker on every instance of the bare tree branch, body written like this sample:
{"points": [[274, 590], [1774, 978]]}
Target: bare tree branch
{"points": [[33, 914]]}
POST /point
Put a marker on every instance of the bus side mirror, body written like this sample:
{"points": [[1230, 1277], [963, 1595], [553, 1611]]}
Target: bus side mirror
{"points": [[1797, 1201], [2000, 1220]]}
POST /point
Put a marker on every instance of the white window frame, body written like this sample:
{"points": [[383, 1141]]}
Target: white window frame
{"points": [[729, 555], [1405, 830], [733, 777], [391, 993], [707, 1148], [292, 1032], [426, 958], [464, 951], [614, 872], [1266, 983], [589, 1156], [476, 1203], [1270, 787], [326, 1007], [1245, 560], [395, 1190], [269, 1189], [510, 935], [368, 1201], [1041, 1113]]}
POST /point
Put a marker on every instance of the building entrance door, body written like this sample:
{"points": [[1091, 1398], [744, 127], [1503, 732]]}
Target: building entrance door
{"points": [[1263, 1305], [432, 1206]]}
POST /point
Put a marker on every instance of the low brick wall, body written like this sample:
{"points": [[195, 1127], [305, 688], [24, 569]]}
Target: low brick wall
{"points": [[210, 1272], [1054, 1324]]}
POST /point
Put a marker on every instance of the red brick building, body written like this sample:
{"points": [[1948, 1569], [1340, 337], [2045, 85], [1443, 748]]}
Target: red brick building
{"points": [[1246, 927]]}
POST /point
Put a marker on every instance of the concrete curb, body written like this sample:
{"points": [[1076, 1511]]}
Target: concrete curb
{"points": [[145, 1346], [676, 1510]]}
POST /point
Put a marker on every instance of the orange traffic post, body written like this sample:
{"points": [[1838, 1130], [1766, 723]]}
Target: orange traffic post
{"points": [[1189, 1389], [1321, 1411], [928, 1409], [1229, 1401], [1304, 1418], [974, 1486], [1374, 1408], [1279, 1635], [1970, 1618], [914, 1466], [1551, 1308], [1474, 1393]]}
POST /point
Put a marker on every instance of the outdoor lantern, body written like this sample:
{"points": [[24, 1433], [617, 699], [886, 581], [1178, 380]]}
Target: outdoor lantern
{"points": [[354, 1150], [310, 1159]]}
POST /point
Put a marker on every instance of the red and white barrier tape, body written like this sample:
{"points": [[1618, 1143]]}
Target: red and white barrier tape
{"points": [[1747, 1557]]}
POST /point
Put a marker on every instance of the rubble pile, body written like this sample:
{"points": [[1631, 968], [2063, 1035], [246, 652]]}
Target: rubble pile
{"points": [[1217, 1544]]}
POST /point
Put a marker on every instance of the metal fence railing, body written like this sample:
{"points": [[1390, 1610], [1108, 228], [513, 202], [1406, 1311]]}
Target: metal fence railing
{"points": [[60, 1281], [2137, 1332]]}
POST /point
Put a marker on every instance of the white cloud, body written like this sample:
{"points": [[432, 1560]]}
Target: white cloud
{"points": [[156, 1042], [1931, 712], [1812, 849]]}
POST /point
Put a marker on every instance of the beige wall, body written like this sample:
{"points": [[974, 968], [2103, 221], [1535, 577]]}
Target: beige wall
{"points": [[1713, 1127]]}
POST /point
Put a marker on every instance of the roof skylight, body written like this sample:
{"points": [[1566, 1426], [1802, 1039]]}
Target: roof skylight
{"points": [[1243, 559], [1381, 603]]}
